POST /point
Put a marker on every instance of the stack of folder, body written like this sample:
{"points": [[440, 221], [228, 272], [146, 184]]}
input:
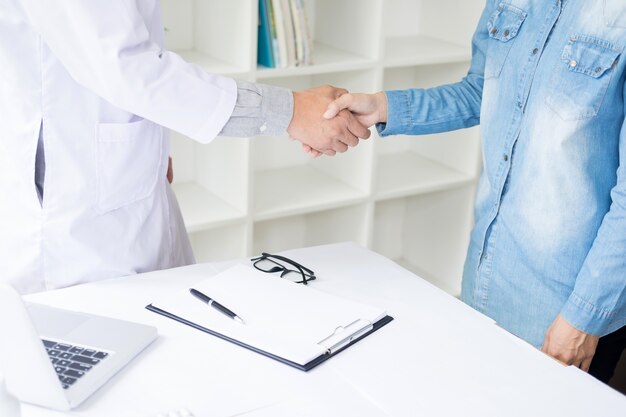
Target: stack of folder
{"points": [[285, 38]]}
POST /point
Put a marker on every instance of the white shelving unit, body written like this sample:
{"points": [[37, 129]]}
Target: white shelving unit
{"points": [[409, 198]]}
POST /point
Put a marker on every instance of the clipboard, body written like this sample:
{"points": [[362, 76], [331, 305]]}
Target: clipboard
{"points": [[305, 343]]}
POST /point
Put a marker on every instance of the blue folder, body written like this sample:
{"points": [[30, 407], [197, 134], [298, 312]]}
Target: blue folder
{"points": [[264, 53]]}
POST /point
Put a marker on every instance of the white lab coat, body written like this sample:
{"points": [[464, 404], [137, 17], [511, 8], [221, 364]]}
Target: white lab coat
{"points": [[94, 73]]}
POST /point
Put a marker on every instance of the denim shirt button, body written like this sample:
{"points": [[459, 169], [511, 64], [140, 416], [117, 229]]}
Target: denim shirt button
{"points": [[573, 64], [535, 51], [506, 158], [519, 104], [506, 33], [494, 31]]}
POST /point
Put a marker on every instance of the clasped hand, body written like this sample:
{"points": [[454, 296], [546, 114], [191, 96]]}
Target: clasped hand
{"points": [[328, 120]]}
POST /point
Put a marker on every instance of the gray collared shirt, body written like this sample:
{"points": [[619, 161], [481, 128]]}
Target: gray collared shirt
{"points": [[261, 110]]}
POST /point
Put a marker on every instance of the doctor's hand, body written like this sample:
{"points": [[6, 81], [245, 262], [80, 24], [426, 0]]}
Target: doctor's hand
{"points": [[569, 345], [321, 135], [170, 170]]}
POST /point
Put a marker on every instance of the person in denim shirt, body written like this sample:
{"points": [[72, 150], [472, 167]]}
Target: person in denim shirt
{"points": [[547, 254]]}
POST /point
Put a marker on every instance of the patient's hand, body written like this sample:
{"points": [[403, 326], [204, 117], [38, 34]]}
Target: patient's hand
{"points": [[368, 109]]}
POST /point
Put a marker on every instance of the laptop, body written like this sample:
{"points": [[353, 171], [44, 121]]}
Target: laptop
{"points": [[57, 358]]}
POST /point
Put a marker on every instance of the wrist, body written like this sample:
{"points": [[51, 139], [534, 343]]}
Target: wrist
{"points": [[381, 105], [297, 97], [277, 108]]}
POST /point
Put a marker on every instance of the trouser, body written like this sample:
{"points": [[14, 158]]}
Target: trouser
{"points": [[608, 353]]}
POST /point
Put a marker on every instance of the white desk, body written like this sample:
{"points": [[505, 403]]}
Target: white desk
{"points": [[437, 358]]}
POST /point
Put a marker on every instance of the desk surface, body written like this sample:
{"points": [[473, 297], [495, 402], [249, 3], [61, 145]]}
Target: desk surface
{"points": [[437, 358]]}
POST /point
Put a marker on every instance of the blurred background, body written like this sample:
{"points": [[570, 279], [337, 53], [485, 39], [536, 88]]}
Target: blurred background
{"points": [[408, 198]]}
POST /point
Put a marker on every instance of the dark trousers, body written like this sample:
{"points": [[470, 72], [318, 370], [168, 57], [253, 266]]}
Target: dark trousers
{"points": [[608, 353]]}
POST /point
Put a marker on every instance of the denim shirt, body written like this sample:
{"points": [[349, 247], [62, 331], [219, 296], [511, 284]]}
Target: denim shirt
{"points": [[546, 84]]}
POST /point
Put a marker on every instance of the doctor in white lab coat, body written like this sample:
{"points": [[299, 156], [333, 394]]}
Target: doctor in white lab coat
{"points": [[87, 95]]}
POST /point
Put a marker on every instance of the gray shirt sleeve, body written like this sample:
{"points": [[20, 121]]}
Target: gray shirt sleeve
{"points": [[260, 110]]}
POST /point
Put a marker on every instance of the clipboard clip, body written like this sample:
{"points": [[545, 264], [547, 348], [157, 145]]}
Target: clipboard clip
{"points": [[344, 335]]}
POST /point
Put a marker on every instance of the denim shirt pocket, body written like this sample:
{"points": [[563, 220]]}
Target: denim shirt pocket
{"points": [[503, 28], [582, 77]]}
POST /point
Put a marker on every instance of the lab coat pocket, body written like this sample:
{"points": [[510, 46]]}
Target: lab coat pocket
{"points": [[129, 159], [503, 28], [582, 77]]}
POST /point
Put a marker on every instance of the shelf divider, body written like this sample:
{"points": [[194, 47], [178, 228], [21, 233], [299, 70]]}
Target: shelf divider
{"points": [[407, 173], [423, 50], [299, 189], [327, 59]]}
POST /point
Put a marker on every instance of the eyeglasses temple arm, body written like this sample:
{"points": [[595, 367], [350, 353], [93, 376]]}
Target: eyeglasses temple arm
{"points": [[294, 263]]}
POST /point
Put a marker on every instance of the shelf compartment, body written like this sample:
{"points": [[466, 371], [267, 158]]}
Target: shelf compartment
{"points": [[338, 46], [327, 59], [424, 32], [452, 288], [422, 50], [202, 209], [340, 75], [287, 181], [210, 181], [323, 227], [217, 35], [299, 189], [423, 76], [211, 64], [427, 233], [407, 173], [220, 243]]}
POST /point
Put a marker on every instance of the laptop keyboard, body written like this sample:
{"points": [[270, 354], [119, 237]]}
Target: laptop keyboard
{"points": [[72, 362]]}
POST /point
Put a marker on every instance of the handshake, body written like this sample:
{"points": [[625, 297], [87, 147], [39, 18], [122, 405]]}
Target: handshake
{"points": [[328, 120]]}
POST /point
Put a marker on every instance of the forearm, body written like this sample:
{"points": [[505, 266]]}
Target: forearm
{"points": [[440, 109], [260, 110], [597, 304]]}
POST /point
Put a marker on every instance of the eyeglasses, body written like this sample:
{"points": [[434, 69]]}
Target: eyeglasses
{"points": [[288, 268]]}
